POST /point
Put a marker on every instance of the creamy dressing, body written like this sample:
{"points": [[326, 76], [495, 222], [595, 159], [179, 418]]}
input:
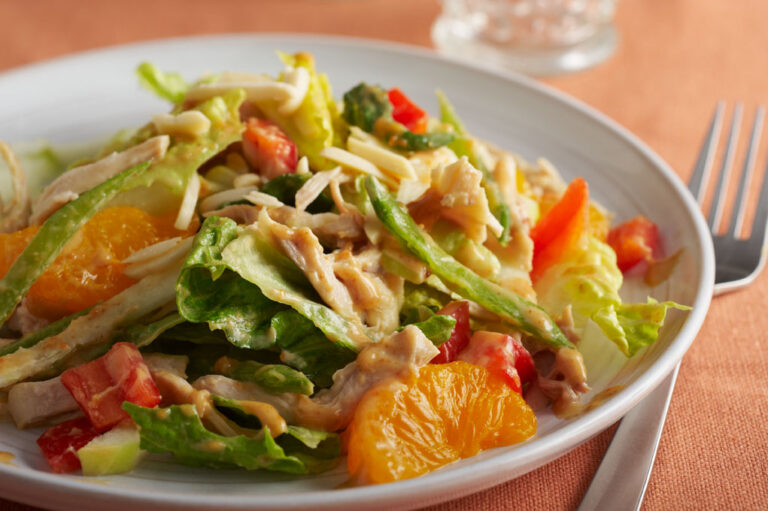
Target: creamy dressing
{"points": [[6, 458], [267, 414]]}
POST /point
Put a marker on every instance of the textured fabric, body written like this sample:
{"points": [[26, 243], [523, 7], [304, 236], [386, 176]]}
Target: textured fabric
{"points": [[676, 59]]}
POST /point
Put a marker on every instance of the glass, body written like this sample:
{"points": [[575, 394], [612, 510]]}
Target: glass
{"points": [[538, 37]]}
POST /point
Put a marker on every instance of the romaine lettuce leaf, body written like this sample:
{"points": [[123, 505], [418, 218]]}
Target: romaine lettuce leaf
{"points": [[305, 347], [178, 429], [274, 378], [207, 291], [165, 85], [318, 450], [589, 281], [212, 289], [257, 261], [437, 328], [184, 157]]}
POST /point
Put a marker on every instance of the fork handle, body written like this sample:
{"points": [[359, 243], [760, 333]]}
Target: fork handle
{"points": [[623, 474]]}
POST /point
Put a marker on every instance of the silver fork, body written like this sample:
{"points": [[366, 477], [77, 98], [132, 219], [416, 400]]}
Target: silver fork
{"points": [[621, 479]]}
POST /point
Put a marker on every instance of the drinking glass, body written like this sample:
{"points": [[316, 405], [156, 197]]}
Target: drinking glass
{"points": [[537, 37]]}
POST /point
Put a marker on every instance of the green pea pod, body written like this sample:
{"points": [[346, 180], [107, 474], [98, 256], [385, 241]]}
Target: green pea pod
{"points": [[55, 233], [527, 316]]}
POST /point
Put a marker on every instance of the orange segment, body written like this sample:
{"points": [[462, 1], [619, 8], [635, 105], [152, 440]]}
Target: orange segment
{"points": [[89, 269], [445, 412]]}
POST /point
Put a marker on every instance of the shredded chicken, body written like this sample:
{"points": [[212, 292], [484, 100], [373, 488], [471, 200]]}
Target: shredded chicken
{"points": [[240, 213], [376, 295], [39, 402], [174, 364], [138, 300], [72, 183], [177, 391], [456, 194], [565, 381], [333, 230], [15, 215], [517, 256], [223, 386], [304, 249], [332, 409], [354, 286]]}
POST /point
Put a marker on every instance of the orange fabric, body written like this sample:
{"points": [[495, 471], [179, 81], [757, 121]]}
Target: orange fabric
{"points": [[675, 60]]}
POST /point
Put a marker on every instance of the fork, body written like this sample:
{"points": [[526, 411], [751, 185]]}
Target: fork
{"points": [[618, 484]]}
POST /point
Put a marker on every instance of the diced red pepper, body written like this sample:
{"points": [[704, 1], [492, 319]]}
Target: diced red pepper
{"points": [[60, 443], [100, 387], [503, 355], [406, 112], [561, 229], [460, 334], [268, 148], [634, 241]]}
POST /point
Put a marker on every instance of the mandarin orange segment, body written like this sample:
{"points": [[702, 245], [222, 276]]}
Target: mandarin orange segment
{"points": [[89, 269], [445, 412]]}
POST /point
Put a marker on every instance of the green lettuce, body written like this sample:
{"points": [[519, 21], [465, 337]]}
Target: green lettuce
{"points": [[589, 281], [207, 292], [318, 450], [165, 85], [306, 348], [274, 378], [258, 262], [179, 430], [221, 286], [437, 328], [184, 157]]}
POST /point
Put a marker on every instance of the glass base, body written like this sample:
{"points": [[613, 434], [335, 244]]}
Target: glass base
{"points": [[452, 38]]}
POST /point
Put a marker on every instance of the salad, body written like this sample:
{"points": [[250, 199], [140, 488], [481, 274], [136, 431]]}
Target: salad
{"points": [[266, 277]]}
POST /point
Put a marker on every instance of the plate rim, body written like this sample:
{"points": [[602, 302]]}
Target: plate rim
{"points": [[400, 493]]}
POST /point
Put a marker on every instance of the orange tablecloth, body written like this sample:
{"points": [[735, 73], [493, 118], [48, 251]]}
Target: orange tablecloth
{"points": [[676, 59]]}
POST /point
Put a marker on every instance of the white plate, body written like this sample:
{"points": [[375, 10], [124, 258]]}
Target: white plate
{"points": [[92, 94]]}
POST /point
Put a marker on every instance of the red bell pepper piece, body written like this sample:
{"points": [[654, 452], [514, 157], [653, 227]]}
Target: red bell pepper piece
{"points": [[60, 443], [100, 387], [561, 229], [503, 355], [634, 241], [268, 148], [460, 334], [406, 112]]}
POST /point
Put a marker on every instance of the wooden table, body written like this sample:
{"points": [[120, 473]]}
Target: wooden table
{"points": [[675, 60]]}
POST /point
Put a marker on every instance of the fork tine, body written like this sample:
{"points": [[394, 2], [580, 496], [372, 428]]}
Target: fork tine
{"points": [[761, 214], [716, 212], [737, 219], [706, 155]]}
